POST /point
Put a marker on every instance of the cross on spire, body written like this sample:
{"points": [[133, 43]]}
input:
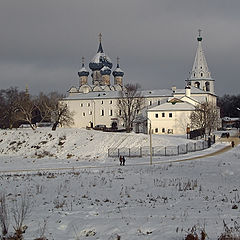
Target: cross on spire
{"points": [[100, 37], [199, 32], [83, 61], [118, 58]]}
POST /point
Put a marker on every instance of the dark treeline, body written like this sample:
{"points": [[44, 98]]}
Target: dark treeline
{"points": [[229, 105], [19, 107]]}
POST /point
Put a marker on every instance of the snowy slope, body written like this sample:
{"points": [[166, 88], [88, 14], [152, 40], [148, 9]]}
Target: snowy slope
{"points": [[134, 202]]}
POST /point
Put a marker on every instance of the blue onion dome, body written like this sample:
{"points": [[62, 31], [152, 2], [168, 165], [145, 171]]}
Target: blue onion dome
{"points": [[83, 71], [100, 59], [105, 70], [118, 72]]}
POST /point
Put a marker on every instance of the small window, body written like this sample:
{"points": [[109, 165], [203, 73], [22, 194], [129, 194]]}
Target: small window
{"points": [[90, 112], [170, 115], [159, 102], [163, 114], [201, 74], [156, 115], [170, 131], [102, 102], [156, 130], [120, 112], [102, 112], [110, 101], [83, 114], [89, 104], [150, 103], [119, 101], [81, 104], [110, 112], [163, 130]]}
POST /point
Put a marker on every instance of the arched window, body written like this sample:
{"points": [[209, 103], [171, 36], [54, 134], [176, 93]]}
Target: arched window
{"points": [[197, 84], [201, 74], [207, 86]]}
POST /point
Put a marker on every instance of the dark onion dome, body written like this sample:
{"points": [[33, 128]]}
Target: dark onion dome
{"points": [[100, 60], [118, 72], [105, 71], [83, 72]]}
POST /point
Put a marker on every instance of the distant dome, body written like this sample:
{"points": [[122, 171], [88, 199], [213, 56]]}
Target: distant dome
{"points": [[105, 71], [118, 72], [83, 72], [100, 60]]}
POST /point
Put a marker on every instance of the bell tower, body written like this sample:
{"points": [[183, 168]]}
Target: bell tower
{"points": [[200, 76]]}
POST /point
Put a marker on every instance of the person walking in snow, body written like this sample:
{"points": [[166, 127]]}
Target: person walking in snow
{"points": [[121, 160]]}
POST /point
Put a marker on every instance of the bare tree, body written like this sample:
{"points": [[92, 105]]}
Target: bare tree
{"points": [[21, 209], [4, 214], [8, 106], [26, 109], [61, 115], [129, 104], [205, 116]]}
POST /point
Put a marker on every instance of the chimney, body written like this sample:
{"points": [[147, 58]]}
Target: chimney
{"points": [[174, 89], [188, 91]]}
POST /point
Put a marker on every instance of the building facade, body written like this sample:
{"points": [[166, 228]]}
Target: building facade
{"points": [[95, 103]]}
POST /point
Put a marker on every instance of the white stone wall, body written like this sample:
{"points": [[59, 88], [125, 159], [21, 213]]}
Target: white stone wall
{"points": [[173, 122]]}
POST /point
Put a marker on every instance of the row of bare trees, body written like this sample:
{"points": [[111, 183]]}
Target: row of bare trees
{"points": [[19, 107]]}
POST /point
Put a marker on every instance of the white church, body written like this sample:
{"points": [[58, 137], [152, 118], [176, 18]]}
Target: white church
{"points": [[167, 110]]}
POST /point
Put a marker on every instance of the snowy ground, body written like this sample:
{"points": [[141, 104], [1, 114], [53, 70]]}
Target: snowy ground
{"points": [[161, 201]]}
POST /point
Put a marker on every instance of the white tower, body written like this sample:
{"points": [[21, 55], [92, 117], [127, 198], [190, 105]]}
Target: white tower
{"points": [[200, 76]]}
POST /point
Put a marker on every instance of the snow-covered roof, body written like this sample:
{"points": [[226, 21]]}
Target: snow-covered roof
{"points": [[194, 90], [115, 94], [178, 106]]}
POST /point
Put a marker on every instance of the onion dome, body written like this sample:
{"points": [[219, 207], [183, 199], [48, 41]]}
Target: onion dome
{"points": [[83, 71], [118, 72], [100, 59], [105, 71]]}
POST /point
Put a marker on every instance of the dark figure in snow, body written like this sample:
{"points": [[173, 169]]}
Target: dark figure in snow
{"points": [[233, 143], [123, 160]]}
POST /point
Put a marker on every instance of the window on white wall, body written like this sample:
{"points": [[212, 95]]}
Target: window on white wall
{"points": [[170, 115], [110, 112], [90, 112], [81, 104], [110, 101], [120, 112], [156, 115], [163, 114], [89, 104], [150, 103], [163, 130], [159, 102], [83, 114], [170, 131], [156, 130], [102, 102], [102, 112]]}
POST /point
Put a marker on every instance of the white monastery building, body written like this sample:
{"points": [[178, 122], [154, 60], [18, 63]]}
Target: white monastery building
{"points": [[168, 110]]}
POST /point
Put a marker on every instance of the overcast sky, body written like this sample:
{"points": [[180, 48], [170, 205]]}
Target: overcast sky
{"points": [[42, 41]]}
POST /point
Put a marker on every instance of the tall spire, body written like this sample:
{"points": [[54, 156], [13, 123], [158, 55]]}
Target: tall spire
{"points": [[100, 48], [200, 68], [200, 76]]}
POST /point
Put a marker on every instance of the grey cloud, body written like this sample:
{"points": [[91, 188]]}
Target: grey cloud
{"points": [[42, 42]]}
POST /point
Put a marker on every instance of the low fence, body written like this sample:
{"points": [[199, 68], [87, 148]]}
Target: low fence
{"points": [[159, 150]]}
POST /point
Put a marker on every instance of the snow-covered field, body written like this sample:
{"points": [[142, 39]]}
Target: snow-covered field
{"points": [[135, 201]]}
